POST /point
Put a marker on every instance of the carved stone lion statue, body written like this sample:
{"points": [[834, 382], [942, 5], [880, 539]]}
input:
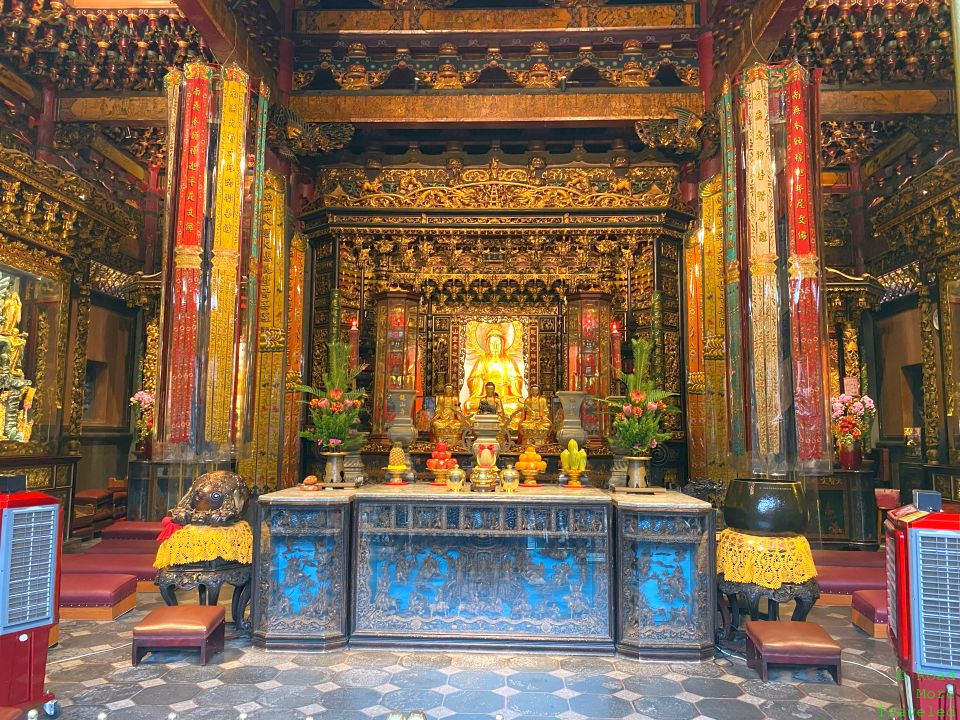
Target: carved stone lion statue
{"points": [[215, 498]]}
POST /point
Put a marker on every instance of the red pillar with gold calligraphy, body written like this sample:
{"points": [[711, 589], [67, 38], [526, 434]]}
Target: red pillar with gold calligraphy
{"points": [[209, 263], [785, 336]]}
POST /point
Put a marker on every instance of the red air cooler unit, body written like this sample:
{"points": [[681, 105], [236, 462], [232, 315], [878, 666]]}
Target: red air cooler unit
{"points": [[923, 595], [30, 525]]}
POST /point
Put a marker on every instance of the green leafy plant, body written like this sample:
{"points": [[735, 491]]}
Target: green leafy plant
{"points": [[335, 408], [637, 424]]}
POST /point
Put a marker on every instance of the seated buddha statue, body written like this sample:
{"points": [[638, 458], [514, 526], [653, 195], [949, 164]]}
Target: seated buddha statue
{"points": [[535, 419], [490, 404], [448, 423], [496, 367]]}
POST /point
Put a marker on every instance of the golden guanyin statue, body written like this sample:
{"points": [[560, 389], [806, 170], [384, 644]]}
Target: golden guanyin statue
{"points": [[448, 423], [495, 364], [535, 421]]}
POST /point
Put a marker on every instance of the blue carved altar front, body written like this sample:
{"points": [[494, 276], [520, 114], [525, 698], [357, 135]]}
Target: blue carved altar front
{"points": [[549, 569], [495, 571]]}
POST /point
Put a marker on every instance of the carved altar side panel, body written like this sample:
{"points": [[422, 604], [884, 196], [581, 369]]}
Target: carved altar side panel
{"points": [[292, 412], [695, 385], [665, 562], [714, 327], [450, 570], [301, 595]]}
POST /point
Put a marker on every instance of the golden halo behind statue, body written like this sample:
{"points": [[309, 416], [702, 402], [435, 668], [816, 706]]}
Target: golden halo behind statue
{"points": [[504, 330]]}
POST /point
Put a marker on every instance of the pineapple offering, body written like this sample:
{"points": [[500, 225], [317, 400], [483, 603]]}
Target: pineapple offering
{"points": [[396, 465], [440, 463], [574, 461], [530, 464]]}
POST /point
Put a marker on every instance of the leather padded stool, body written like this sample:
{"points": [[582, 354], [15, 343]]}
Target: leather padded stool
{"points": [[97, 596], [868, 612], [180, 626], [787, 642]]}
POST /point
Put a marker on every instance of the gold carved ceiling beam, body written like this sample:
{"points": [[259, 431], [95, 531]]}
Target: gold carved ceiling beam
{"points": [[500, 108], [498, 187], [475, 108], [488, 229], [847, 295], [848, 103], [871, 41], [925, 213], [635, 64], [492, 20], [60, 211], [746, 31], [94, 49]]}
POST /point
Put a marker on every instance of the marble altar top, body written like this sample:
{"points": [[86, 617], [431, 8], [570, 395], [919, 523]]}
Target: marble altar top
{"points": [[669, 500]]}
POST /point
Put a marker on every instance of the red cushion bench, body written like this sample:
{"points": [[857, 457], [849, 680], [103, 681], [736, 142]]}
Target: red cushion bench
{"points": [[140, 566], [180, 626], [838, 584], [96, 596], [869, 612], [93, 496], [121, 546], [789, 642], [849, 558], [133, 530]]}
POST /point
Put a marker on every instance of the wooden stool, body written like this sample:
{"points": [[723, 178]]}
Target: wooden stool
{"points": [[180, 626], [787, 642], [868, 612]]}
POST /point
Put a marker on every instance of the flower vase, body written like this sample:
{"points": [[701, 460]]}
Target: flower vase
{"points": [[637, 471], [333, 467], [850, 455], [572, 402], [143, 450]]}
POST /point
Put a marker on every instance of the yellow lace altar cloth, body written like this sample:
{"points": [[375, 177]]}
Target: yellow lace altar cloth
{"points": [[199, 543], [765, 561]]}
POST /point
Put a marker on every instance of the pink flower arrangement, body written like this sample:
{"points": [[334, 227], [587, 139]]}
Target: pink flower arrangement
{"points": [[334, 410], [852, 418], [143, 400], [637, 426]]}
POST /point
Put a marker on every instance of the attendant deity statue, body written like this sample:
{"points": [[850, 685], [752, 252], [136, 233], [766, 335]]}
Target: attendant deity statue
{"points": [[494, 365], [16, 392], [535, 422], [448, 423]]}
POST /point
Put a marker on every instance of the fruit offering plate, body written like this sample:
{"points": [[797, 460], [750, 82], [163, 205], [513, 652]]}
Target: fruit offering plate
{"points": [[579, 486], [438, 483], [531, 485], [396, 483]]}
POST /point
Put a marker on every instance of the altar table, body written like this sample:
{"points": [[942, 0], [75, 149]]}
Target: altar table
{"points": [[540, 569]]}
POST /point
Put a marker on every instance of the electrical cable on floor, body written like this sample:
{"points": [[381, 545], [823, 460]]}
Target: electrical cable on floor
{"points": [[893, 680], [731, 654], [95, 652]]}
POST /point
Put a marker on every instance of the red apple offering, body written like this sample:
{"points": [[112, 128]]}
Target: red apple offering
{"points": [[441, 462]]}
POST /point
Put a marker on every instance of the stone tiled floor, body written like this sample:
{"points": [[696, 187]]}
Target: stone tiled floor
{"points": [[365, 685]]}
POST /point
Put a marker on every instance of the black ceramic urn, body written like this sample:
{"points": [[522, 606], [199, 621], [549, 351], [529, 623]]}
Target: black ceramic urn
{"points": [[765, 507]]}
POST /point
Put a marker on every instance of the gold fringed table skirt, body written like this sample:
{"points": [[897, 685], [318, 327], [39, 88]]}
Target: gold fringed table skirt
{"points": [[765, 561], [201, 543]]}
